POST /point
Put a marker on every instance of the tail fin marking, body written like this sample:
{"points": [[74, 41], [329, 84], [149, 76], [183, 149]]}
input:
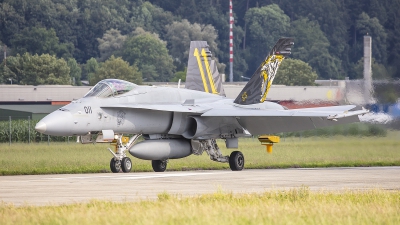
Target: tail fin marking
{"points": [[210, 77], [199, 63], [196, 53], [256, 90]]}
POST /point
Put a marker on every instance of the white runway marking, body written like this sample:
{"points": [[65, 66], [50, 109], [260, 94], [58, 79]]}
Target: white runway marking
{"points": [[133, 177]]}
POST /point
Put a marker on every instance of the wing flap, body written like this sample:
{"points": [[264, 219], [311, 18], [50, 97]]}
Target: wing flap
{"points": [[258, 121], [276, 124]]}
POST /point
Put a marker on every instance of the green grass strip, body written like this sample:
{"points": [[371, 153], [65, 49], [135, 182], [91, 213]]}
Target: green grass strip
{"points": [[295, 206], [295, 152]]}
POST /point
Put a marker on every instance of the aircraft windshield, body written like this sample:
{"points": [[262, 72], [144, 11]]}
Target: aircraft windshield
{"points": [[110, 87]]}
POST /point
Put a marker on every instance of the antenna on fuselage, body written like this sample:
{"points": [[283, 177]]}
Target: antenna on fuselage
{"points": [[179, 83]]}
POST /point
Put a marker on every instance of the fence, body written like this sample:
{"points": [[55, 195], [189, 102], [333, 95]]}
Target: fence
{"points": [[22, 130]]}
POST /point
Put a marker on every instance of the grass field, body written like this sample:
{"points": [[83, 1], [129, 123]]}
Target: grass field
{"points": [[297, 206], [293, 152]]}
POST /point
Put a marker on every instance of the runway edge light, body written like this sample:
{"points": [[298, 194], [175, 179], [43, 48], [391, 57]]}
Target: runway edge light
{"points": [[268, 141]]}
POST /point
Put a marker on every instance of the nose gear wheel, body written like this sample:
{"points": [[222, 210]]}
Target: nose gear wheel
{"points": [[115, 165]]}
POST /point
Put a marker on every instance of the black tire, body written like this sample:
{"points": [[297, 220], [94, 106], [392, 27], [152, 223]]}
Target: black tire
{"points": [[159, 165], [236, 161], [126, 165], [115, 165]]}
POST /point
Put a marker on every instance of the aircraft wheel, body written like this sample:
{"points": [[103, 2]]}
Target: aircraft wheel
{"points": [[236, 161], [126, 164], [115, 165], [159, 165]]}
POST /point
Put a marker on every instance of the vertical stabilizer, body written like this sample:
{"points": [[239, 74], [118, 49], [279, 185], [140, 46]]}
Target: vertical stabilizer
{"points": [[256, 90], [202, 73], [217, 78]]}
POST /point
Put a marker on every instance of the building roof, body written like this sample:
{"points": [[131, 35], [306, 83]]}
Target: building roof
{"points": [[41, 93], [31, 108], [26, 94]]}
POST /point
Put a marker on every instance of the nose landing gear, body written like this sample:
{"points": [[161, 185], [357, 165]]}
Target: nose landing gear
{"points": [[120, 161]]}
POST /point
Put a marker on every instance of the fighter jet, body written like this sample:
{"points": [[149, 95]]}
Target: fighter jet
{"points": [[177, 122]]}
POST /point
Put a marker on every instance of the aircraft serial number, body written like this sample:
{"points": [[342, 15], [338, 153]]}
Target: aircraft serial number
{"points": [[88, 109]]}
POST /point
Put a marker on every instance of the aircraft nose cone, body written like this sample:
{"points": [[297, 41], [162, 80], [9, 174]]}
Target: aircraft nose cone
{"points": [[57, 123], [41, 127]]}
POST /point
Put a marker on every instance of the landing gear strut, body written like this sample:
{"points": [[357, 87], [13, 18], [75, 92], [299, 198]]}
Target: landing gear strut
{"points": [[120, 161], [235, 160]]}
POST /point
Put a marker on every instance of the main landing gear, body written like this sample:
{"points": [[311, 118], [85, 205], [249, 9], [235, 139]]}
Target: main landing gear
{"points": [[235, 160], [159, 165], [120, 161]]}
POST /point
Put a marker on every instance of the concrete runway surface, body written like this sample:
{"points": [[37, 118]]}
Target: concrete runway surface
{"points": [[74, 188]]}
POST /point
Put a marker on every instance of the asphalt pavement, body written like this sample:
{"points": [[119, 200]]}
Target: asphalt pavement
{"points": [[75, 188]]}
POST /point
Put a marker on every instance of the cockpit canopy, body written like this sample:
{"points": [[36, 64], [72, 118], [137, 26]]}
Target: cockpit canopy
{"points": [[110, 87]]}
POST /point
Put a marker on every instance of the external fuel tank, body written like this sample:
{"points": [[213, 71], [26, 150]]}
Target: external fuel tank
{"points": [[162, 149]]}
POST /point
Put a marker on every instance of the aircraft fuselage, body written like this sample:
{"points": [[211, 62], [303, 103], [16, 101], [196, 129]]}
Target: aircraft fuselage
{"points": [[93, 114]]}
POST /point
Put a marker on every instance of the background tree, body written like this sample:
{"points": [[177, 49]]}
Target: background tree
{"points": [[151, 18], [79, 23], [36, 70], [37, 40], [110, 44], [75, 71], [119, 69], [180, 34], [371, 26], [6, 73], [90, 69], [312, 46], [180, 75], [265, 26], [379, 71], [149, 53], [295, 72]]}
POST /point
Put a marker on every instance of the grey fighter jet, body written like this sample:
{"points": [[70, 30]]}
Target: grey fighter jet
{"points": [[176, 123]]}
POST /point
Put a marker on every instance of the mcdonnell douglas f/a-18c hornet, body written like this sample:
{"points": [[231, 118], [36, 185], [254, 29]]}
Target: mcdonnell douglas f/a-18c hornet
{"points": [[176, 123]]}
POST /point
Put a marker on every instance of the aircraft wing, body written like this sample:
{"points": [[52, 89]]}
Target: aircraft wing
{"points": [[258, 121]]}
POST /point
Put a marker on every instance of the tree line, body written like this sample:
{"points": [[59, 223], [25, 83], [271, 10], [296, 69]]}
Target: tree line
{"points": [[66, 41]]}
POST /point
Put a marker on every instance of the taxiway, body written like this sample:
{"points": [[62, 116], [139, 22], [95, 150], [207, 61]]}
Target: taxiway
{"points": [[74, 188]]}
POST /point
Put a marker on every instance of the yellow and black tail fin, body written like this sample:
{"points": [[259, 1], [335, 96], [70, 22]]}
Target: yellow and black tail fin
{"points": [[202, 73], [256, 90]]}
